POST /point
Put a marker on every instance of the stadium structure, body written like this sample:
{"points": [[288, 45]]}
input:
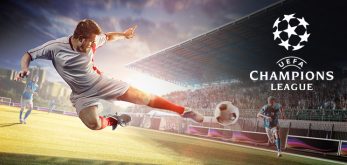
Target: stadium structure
{"points": [[231, 51]]}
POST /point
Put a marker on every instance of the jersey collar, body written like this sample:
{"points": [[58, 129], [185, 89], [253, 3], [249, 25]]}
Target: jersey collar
{"points": [[71, 43]]}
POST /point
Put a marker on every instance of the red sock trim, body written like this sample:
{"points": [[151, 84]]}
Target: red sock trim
{"points": [[107, 122], [161, 103]]}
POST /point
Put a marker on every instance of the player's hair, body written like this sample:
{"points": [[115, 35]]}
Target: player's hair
{"points": [[271, 98], [85, 28]]}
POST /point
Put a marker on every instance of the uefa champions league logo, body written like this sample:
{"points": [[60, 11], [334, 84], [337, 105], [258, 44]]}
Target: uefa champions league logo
{"points": [[291, 32]]}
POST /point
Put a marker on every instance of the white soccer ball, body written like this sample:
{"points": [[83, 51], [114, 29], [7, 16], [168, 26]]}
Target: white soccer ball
{"points": [[226, 113]]}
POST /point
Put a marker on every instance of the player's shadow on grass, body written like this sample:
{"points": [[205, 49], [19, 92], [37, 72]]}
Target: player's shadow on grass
{"points": [[8, 124]]}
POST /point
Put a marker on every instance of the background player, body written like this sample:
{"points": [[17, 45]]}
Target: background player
{"points": [[270, 113], [73, 56], [27, 98], [51, 105]]}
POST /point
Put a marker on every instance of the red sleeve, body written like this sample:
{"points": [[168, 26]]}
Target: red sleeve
{"points": [[97, 70]]}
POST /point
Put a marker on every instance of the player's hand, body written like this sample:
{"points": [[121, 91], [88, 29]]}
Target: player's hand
{"points": [[130, 33], [268, 118], [22, 74]]}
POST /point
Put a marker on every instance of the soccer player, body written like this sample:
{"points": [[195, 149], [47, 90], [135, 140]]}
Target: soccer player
{"points": [[270, 113], [73, 56], [51, 105], [27, 98]]}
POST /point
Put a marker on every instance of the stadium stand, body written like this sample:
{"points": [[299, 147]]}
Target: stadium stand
{"points": [[325, 104]]}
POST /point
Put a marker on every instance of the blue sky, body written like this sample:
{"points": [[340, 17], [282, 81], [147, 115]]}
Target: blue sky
{"points": [[28, 23]]}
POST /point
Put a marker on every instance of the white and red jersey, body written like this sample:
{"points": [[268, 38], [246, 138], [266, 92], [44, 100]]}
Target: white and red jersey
{"points": [[100, 40], [76, 68]]}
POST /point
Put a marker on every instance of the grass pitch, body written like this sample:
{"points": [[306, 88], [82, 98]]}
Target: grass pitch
{"points": [[58, 139]]}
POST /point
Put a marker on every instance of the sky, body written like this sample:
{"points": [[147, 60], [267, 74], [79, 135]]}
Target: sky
{"points": [[26, 24]]}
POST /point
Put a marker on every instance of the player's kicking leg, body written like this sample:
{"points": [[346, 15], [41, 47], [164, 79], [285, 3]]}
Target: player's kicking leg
{"points": [[30, 108], [137, 96], [269, 135], [92, 120], [22, 106], [275, 131]]}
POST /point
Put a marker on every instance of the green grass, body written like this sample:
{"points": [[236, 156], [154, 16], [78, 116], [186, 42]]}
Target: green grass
{"points": [[58, 139]]}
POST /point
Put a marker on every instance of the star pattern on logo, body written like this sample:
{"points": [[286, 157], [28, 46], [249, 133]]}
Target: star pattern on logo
{"points": [[285, 44], [276, 22], [290, 30], [303, 22], [277, 34], [304, 37], [289, 17], [297, 47], [296, 31]]}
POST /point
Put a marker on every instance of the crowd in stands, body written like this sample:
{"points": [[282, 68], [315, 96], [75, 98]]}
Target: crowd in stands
{"points": [[327, 95]]}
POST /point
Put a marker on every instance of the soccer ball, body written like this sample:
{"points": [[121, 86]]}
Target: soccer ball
{"points": [[291, 32], [226, 113]]}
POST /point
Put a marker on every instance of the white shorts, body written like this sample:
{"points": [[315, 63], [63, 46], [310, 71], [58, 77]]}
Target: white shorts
{"points": [[106, 89], [25, 102]]}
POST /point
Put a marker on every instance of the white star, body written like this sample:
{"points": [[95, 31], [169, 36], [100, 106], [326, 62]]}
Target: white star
{"points": [[288, 17], [285, 43], [277, 34], [304, 37], [276, 22], [290, 30], [297, 47], [303, 22]]}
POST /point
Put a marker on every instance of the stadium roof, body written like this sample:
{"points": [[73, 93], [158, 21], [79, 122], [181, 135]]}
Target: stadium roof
{"points": [[231, 51]]}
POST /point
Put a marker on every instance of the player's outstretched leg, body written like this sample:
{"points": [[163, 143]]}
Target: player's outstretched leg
{"points": [[137, 96], [20, 114], [92, 120], [22, 107], [28, 113], [270, 136], [278, 143], [278, 146]]}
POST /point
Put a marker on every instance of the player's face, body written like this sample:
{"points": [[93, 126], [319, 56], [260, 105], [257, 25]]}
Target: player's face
{"points": [[35, 79], [86, 44], [272, 102]]}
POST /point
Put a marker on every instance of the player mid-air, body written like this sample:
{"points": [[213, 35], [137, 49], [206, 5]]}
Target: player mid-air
{"points": [[270, 113], [73, 57], [30, 89]]}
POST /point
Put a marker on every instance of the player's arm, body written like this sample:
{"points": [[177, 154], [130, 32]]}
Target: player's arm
{"points": [[127, 34], [44, 51], [261, 114], [282, 113], [25, 62]]}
